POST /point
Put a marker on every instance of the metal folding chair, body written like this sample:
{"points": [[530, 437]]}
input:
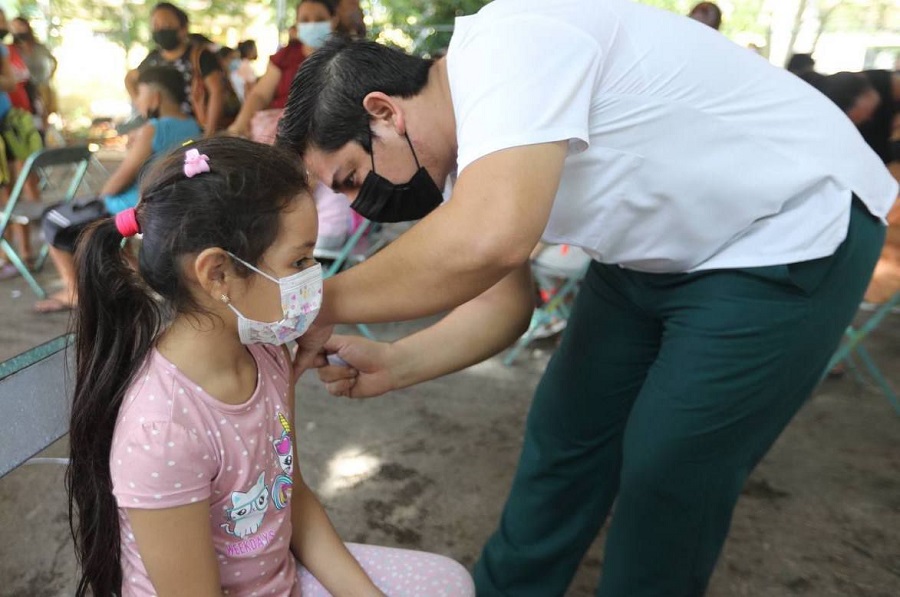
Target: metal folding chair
{"points": [[853, 347], [365, 241], [558, 284], [26, 212]]}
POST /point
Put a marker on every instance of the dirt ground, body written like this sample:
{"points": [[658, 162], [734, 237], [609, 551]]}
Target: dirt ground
{"points": [[432, 466]]}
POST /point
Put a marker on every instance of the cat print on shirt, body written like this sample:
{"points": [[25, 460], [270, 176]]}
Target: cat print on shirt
{"points": [[248, 509], [281, 487]]}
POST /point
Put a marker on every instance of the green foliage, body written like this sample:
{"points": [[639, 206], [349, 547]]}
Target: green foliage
{"points": [[128, 22]]}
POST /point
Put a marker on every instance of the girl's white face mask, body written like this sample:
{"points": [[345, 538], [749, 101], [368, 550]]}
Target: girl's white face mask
{"points": [[301, 299]]}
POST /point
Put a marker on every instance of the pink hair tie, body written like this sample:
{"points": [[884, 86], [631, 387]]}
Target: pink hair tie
{"points": [[195, 163], [126, 223]]}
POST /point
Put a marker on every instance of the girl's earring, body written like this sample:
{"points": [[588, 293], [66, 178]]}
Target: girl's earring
{"points": [[224, 298]]}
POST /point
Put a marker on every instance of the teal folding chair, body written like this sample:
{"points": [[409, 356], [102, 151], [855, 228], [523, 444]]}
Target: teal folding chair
{"points": [[365, 241], [27, 212], [852, 347], [558, 283]]}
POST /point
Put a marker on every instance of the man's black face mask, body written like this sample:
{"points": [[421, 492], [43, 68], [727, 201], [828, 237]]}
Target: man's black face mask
{"points": [[380, 200]]}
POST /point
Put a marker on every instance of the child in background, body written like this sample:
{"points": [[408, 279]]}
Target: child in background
{"points": [[160, 98], [182, 478]]}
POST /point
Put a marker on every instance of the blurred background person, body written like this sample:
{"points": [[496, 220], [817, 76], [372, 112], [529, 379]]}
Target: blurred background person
{"points": [[259, 116], [205, 98], [707, 13], [244, 77], [41, 66]]}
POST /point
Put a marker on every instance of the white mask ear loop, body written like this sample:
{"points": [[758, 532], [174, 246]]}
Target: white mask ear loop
{"points": [[257, 270]]}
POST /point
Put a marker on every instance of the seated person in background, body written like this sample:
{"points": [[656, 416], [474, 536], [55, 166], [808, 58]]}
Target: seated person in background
{"points": [[800, 64], [262, 108], [160, 98], [707, 13], [858, 98], [206, 103], [18, 139], [879, 130], [226, 57], [852, 93], [244, 78]]}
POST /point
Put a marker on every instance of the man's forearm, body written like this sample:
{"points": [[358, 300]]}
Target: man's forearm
{"points": [[469, 334]]}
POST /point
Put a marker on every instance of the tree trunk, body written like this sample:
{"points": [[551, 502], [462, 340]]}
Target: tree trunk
{"points": [[824, 17], [798, 22]]}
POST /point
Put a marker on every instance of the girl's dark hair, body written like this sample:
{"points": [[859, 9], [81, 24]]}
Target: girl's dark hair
{"points": [[179, 14], [235, 206], [325, 105], [166, 79]]}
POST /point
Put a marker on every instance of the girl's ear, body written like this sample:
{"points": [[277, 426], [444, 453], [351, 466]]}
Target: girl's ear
{"points": [[214, 271]]}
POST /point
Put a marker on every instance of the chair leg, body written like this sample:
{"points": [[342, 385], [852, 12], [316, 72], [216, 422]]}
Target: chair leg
{"points": [[23, 269], [879, 378]]}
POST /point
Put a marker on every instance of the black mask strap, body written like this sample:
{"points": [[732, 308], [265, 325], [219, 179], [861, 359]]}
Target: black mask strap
{"points": [[372, 150]]}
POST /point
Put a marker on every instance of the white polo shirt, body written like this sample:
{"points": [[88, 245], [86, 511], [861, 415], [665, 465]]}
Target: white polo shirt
{"points": [[686, 151]]}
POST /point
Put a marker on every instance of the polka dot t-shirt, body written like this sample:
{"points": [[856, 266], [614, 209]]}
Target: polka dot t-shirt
{"points": [[174, 445]]}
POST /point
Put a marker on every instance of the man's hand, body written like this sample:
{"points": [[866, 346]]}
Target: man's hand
{"points": [[309, 348], [369, 371]]}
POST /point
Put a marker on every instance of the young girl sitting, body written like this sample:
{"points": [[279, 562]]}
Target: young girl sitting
{"points": [[182, 478]]}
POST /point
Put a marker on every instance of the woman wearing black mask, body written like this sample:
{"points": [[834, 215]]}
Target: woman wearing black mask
{"points": [[170, 34]]}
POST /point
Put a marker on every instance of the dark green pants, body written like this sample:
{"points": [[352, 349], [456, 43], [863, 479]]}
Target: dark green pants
{"points": [[665, 392]]}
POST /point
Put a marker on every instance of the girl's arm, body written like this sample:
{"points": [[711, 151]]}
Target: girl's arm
{"points": [[317, 545], [314, 540], [177, 550], [139, 152]]}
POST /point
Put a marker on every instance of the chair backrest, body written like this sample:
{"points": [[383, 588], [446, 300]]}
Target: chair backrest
{"points": [[60, 156], [78, 156], [34, 400]]}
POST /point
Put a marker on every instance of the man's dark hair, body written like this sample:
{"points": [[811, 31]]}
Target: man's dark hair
{"points": [[167, 80], [325, 105], [179, 14]]}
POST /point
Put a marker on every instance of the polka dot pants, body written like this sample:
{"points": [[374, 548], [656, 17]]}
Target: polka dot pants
{"points": [[401, 573]]}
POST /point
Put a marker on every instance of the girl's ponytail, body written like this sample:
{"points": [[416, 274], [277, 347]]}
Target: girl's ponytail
{"points": [[115, 325]]}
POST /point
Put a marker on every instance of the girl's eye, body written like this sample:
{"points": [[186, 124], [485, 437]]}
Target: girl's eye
{"points": [[304, 263]]}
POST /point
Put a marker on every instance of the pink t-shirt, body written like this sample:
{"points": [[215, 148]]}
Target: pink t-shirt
{"points": [[174, 445]]}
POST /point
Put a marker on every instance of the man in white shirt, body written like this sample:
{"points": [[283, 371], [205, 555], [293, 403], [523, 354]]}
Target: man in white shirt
{"points": [[734, 216]]}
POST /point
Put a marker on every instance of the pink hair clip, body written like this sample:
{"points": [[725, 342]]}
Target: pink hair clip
{"points": [[195, 163], [126, 223]]}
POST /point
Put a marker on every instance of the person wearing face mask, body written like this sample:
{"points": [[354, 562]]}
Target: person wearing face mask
{"points": [[262, 108], [243, 78], [733, 216], [160, 99], [207, 92], [40, 62]]}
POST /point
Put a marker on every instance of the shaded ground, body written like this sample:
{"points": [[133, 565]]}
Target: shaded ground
{"points": [[429, 468]]}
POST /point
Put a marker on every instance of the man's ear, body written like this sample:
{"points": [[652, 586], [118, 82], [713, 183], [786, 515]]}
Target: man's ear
{"points": [[385, 110], [214, 271]]}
